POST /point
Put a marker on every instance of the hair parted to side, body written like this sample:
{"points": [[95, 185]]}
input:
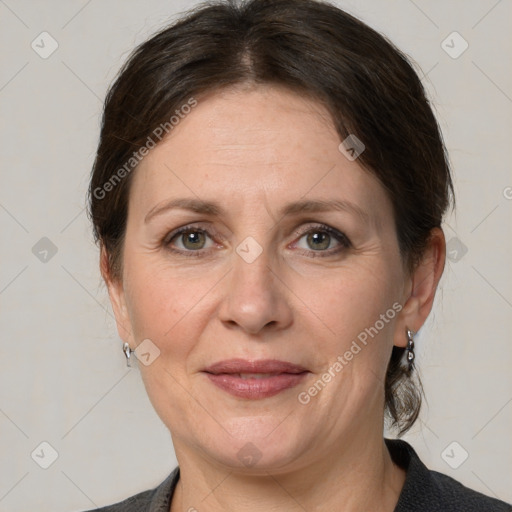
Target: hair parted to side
{"points": [[311, 47]]}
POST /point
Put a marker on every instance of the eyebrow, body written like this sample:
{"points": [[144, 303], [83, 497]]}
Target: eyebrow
{"points": [[215, 209]]}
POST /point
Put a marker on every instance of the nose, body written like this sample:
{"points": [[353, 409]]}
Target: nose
{"points": [[256, 297]]}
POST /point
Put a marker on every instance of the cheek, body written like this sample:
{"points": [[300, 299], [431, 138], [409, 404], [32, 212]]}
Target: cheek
{"points": [[164, 305], [163, 308], [350, 300], [357, 312]]}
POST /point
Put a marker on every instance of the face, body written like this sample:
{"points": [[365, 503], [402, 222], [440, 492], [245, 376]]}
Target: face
{"points": [[254, 246]]}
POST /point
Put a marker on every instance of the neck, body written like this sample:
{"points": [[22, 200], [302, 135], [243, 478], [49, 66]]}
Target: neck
{"points": [[357, 477]]}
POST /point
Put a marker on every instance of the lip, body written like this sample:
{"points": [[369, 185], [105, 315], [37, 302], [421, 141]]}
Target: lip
{"points": [[282, 375]]}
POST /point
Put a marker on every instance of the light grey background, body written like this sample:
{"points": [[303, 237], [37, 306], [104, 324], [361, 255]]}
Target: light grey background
{"points": [[63, 378]]}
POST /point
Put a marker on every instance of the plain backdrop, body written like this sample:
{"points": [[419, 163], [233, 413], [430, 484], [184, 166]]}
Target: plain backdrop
{"points": [[63, 378]]}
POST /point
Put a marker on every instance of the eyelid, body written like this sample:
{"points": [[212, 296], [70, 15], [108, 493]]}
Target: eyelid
{"points": [[189, 227], [319, 226]]}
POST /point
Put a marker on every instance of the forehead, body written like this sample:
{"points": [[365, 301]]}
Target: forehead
{"points": [[254, 143]]}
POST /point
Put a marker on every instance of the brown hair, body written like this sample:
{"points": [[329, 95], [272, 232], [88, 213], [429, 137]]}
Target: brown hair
{"points": [[316, 49]]}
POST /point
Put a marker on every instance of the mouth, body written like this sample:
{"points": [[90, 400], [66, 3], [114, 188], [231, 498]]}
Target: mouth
{"points": [[255, 379]]}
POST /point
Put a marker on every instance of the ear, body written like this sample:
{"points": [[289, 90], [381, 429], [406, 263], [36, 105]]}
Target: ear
{"points": [[117, 299], [421, 287]]}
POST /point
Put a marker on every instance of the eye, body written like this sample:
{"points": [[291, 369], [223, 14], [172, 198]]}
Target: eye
{"points": [[321, 240], [188, 239], [324, 239]]}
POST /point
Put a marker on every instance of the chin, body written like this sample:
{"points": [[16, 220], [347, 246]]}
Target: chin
{"points": [[256, 444]]}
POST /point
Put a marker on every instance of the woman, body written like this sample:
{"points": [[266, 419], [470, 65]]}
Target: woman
{"points": [[268, 193]]}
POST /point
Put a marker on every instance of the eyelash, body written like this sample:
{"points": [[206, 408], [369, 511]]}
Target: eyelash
{"points": [[340, 237]]}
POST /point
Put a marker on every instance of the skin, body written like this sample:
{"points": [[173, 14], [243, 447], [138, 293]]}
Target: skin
{"points": [[254, 149]]}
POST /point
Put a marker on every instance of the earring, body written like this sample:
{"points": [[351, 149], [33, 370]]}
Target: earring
{"points": [[410, 348], [127, 353]]}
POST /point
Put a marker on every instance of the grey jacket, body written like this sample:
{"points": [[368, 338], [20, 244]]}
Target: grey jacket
{"points": [[423, 491]]}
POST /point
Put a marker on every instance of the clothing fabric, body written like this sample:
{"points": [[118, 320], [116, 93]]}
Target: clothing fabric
{"points": [[424, 490]]}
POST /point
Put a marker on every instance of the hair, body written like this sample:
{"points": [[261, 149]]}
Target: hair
{"points": [[310, 47]]}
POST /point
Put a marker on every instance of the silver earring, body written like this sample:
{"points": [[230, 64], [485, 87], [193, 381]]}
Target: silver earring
{"points": [[127, 353], [410, 348]]}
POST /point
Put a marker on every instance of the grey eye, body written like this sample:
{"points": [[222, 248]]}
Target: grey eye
{"points": [[318, 240]]}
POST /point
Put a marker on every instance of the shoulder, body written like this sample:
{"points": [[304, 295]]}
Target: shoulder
{"points": [[430, 491], [459, 497], [137, 502], [152, 500]]}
